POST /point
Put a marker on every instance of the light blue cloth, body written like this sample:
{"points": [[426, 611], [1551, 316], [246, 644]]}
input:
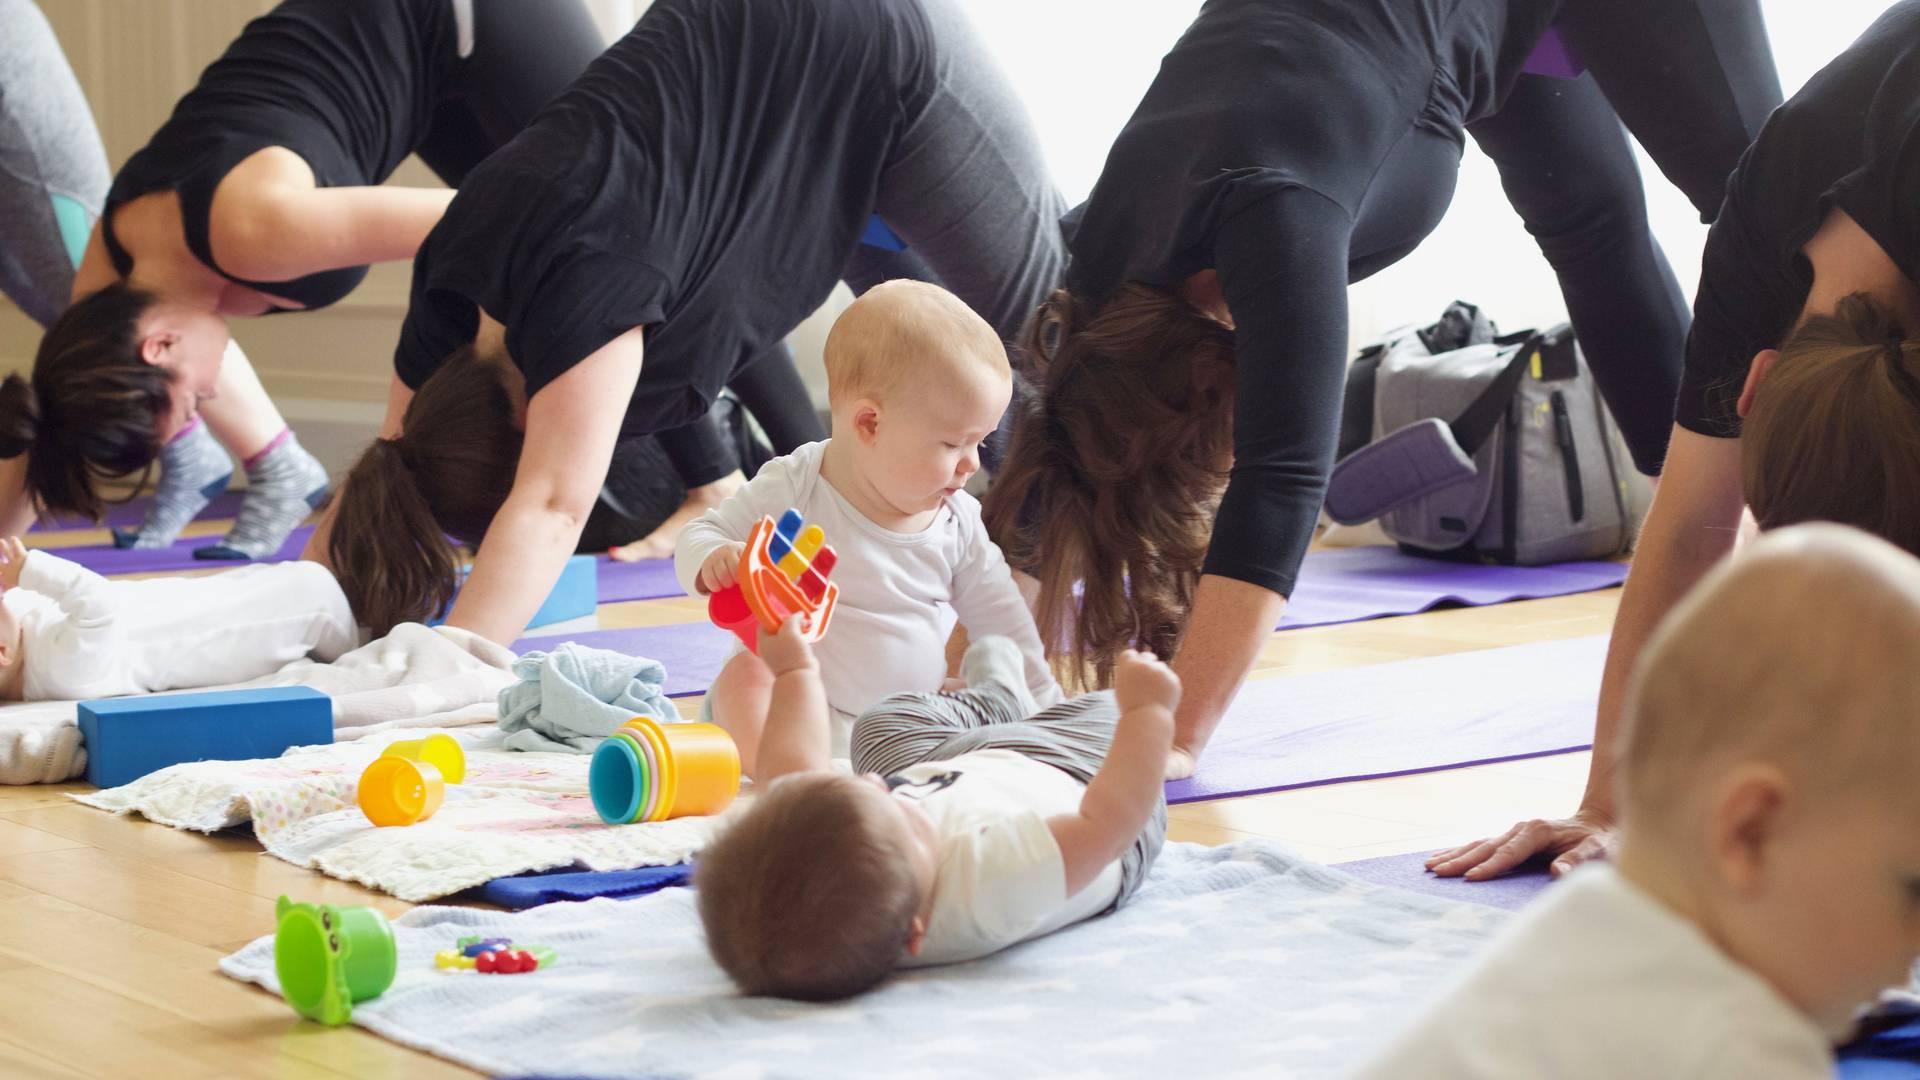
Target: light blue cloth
{"points": [[570, 699]]}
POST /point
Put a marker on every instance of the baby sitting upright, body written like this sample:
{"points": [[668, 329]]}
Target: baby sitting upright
{"points": [[66, 633], [1767, 883], [917, 382], [969, 822]]}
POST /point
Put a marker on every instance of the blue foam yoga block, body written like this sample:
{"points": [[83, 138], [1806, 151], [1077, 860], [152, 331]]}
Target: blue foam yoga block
{"points": [[575, 595], [129, 737]]}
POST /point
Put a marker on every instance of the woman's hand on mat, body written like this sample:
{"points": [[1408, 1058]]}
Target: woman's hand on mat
{"points": [[722, 568], [787, 650], [1181, 763], [15, 554], [1585, 836]]}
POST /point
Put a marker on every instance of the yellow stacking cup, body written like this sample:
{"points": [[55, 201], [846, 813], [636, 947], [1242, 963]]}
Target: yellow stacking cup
{"points": [[440, 750], [703, 767]]}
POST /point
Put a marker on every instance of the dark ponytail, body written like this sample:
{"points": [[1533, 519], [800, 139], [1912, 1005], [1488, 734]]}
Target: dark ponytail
{"points": [[446, 475], [94, 408]]}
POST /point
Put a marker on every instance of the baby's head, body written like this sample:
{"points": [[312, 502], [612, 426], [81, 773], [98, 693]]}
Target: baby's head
{"points": [[818, 888], [1768, 788], [916, 381]]}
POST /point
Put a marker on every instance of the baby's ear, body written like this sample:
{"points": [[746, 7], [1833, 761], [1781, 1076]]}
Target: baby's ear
{"points": [[866, 420], [916, 935]]}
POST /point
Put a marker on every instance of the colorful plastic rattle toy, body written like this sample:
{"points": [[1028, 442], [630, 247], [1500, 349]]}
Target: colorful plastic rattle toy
{"points": [[408, 781], [493, 956], [651, 772], [782, 573], [328, 958]]}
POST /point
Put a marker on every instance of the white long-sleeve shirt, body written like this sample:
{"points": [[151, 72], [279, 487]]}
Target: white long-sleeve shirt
{"points": [[1597, 981], [899, 592], [85, 637]]}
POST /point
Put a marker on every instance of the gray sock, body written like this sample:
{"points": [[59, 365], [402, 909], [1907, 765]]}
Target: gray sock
{"points": [[193, 469], [997, 660], [284, 484]]}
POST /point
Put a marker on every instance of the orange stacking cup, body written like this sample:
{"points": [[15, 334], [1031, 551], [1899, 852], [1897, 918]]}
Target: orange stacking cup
{"points": [[400, 791]]}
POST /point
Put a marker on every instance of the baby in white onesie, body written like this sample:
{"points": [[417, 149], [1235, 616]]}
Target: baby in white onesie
{"points": [[1767, 883], [66, 633], [916, 381]]}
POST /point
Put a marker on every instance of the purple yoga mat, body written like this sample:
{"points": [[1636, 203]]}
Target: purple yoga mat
{"points": [[1409, 716], [107, 559], [1352, 584], [1409, 872], [649, 579], [130, 514], [692, 652]]}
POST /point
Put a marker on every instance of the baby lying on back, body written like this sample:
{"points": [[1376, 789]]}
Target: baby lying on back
{"points": [[66, 633]]}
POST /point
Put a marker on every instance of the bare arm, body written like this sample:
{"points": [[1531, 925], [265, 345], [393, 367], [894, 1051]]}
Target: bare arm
{"points": [[572, 425], [283, 231], [1693, 523], [1231, 621], [1125, 791], [798, 736], [398, 397]]}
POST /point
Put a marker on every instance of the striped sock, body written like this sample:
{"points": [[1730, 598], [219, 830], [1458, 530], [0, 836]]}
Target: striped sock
{"points": [[284, 484], [194, 467]]}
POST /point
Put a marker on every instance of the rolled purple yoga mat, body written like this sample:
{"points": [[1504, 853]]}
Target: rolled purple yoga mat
{"points": [[693, 653], [1352, 584], [1409, 716], [649, 579], [1409, 872], [107, 559], [130, 514]]}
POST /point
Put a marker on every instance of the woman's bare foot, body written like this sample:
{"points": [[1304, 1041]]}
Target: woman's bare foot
{"points": [[659, 543]]}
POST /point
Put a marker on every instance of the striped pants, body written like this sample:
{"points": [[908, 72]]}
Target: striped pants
{"points": [[1073, 736]]}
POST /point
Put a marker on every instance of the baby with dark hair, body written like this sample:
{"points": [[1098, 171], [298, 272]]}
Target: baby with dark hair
{"points": [[970, 822]]}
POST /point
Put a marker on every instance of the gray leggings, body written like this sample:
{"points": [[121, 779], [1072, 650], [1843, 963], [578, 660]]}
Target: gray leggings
{"points": [[53, 170], [1073, 736], [967, 189]]}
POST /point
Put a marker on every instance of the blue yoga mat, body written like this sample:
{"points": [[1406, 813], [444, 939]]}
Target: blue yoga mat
{"points": [[531, 890], [110, 560]]}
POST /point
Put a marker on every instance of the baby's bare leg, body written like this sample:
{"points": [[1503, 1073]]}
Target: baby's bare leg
{"points": [[738, 703]]}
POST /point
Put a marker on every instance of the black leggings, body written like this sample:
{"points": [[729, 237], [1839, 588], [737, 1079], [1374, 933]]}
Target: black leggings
{"points": [[771, 389], [524, 53], [1567, 168]]}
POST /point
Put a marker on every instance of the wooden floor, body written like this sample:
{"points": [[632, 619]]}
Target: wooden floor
{"points": [[110, 928]]}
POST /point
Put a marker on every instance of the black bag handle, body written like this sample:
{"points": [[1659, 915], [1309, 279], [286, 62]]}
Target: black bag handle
{"points": [[1474, 426]]}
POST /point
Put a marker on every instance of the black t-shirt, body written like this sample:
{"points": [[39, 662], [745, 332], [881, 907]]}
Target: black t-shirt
{"points": [[349, 85], [1850, 139], [707, 179], [1254, 152]]}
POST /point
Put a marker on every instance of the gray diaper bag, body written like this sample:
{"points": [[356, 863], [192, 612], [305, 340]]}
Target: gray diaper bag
{"points": [[1467, 444]]}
